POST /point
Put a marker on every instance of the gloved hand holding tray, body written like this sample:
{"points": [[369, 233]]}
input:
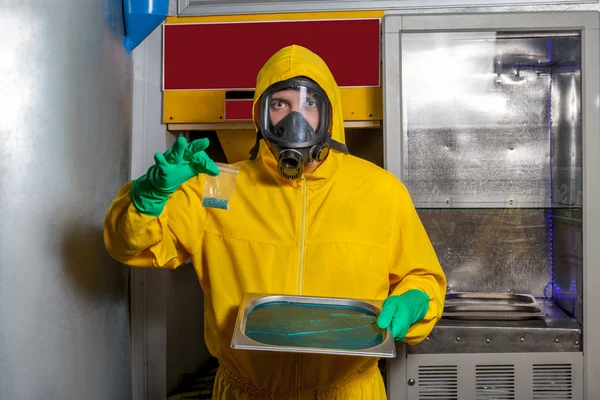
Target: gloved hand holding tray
{"points": [[303, 324]]}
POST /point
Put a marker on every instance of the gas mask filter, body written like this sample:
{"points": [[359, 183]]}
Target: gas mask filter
{"points": [[295, 118]]}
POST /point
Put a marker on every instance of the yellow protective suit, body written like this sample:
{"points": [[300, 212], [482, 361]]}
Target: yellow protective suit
{"points": [[347, 230]]}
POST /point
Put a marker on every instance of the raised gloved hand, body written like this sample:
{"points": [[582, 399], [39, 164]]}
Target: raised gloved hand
{"points": [[402, 311], [178, 164]]}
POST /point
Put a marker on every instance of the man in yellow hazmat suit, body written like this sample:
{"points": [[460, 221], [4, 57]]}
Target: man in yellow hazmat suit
{"points": [[306, 218]]}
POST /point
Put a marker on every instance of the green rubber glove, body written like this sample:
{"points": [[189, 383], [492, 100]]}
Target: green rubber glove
{"points": [[178, 164], [402, 311]]}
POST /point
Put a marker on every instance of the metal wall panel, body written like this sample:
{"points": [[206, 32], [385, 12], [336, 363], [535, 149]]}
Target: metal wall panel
{"points": [[216, 7], [65, 105]]}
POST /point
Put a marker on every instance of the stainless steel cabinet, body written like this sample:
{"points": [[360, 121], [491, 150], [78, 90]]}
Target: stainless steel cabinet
{"points": [[491, 121]]}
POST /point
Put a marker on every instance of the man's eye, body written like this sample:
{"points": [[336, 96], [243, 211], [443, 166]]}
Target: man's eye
{"points": [[277, 104], [311, 103]]}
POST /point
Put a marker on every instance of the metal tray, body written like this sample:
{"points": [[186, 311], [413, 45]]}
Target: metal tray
{"points": [[489, 298], [494, 316], [491, 306], [250, 302]]}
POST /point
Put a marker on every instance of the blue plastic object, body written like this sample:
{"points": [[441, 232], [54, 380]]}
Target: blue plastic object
{"points": [[141, 18]]}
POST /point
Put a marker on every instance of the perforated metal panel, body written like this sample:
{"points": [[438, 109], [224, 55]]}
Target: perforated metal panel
{"points": [[552, 381], [505, 376], [495, 382], [438, 382]]}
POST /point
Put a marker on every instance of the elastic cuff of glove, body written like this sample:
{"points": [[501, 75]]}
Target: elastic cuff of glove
{"points": [[424, 297], [145, 199]]}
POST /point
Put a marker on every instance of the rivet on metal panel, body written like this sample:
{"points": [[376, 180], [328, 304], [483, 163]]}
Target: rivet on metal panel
{"points": [[487, 341], [458, 339], [411, 382], [522, 340], [427, 339], [576, 343], [557, 340]]}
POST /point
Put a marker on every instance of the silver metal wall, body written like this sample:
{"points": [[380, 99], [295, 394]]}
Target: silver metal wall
{"points": [[65, 99]]}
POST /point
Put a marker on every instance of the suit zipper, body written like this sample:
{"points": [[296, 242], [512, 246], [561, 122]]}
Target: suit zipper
{"points": [[301, 245], [302, 238]]}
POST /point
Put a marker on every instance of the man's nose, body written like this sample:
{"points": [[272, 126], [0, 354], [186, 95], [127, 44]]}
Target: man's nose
{"points": [[296, 106]]}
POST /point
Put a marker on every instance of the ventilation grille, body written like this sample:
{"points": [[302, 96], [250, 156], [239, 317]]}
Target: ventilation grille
{"points": [[495, 382], [552, 382], [438, 382]]}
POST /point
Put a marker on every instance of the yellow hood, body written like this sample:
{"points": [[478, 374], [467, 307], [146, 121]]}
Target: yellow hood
{"points": [[293, 61]]}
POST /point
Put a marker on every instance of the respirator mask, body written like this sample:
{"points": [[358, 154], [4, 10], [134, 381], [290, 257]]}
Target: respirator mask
{"points": [[295, 118]]}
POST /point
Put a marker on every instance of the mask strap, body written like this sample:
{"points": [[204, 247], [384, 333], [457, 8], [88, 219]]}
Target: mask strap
{"points": [[335, 145]]}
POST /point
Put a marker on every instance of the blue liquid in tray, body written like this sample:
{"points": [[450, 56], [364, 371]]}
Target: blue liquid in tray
{"points": [[313, 325]]}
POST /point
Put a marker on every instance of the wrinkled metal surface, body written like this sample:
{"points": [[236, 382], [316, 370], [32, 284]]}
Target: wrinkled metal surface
{"points": [[492, 250], [567, 139], [492, 156], [483, 115]]}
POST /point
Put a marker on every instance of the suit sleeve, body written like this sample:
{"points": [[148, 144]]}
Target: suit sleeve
{"points": [[166, 241], [414, 263]]}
